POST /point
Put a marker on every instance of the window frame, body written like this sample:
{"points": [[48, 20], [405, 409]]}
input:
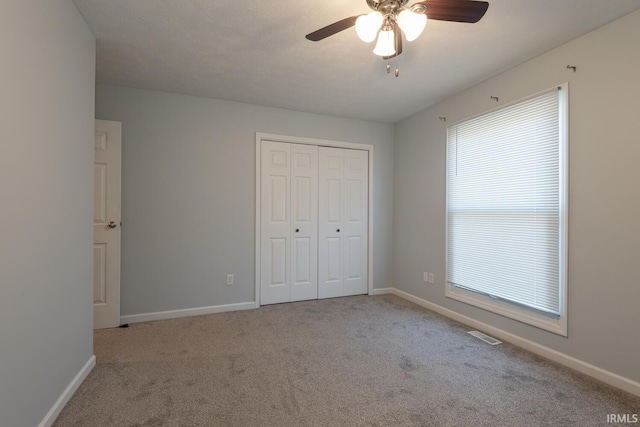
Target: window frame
{"points": [[556, 324]]}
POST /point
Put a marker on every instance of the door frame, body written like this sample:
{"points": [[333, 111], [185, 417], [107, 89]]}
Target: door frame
{"points": [[260, 136]]}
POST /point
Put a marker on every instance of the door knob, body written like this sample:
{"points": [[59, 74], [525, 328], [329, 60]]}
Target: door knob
{"points": [[338, 230], [112, 224], [297, 230]]}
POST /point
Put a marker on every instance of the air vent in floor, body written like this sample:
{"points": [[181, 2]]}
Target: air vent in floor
{"points": [[484, 337]]}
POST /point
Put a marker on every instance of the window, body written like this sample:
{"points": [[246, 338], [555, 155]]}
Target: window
{"points": [[507, 190]]}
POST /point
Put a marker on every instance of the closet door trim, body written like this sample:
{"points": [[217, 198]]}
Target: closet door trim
{"points": [[308, 141]]}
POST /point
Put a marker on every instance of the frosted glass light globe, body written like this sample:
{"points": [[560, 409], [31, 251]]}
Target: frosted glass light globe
{"points": [[386, 45], [411, 23], [367, 26]]}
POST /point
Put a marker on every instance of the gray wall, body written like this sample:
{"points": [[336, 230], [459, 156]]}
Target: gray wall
{"points": [[604, 248], [188, 193], [46, 174]]}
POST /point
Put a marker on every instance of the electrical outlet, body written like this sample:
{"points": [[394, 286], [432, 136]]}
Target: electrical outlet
{"points": [[425, 277], [431, 278], [229, 279]]}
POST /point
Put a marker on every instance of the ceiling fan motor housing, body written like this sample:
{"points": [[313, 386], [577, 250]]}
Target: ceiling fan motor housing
{"points": [[386, 6]]}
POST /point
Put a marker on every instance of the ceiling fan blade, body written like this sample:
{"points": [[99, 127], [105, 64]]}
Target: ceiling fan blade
{"points": [[469, 11], [397, 35], [332, 29]]}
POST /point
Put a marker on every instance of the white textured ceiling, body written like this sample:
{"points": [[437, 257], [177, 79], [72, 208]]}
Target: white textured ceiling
{"points": [[255, 51]]}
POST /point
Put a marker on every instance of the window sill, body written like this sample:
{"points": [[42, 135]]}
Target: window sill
{"points": [[551, 323]]}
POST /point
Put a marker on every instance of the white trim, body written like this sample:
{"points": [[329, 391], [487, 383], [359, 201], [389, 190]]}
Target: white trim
{"points": [[257, 269], [186, 312], [509, 104], [260, 136], [382, 291], [370, 236], [557, 325], [603, 375], [57, 407], [563, 243]]}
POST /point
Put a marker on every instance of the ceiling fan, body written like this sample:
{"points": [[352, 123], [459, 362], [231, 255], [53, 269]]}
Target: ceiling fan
{"points": [[389, 17]]}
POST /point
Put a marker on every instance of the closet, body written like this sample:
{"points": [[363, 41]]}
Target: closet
{"points": [[313, 222]]}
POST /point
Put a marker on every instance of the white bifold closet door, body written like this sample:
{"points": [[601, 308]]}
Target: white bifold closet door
{"points": [[343, 222], [289, 222], [313, 222]]}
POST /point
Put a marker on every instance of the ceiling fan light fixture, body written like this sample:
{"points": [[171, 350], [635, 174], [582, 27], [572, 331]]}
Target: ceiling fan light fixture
{"points": [[411, 23], [391, 18], [367, 26], [386, 45]]}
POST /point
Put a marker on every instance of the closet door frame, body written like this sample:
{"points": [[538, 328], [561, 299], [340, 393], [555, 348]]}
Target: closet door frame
{"points": [[318, 142]]}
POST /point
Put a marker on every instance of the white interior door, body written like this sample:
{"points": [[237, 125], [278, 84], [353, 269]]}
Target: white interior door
{"points": [[343, 222], [106, 224]]}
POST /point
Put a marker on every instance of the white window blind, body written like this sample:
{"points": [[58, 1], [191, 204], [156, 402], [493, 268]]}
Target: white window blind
{"points": [[504, 202]]}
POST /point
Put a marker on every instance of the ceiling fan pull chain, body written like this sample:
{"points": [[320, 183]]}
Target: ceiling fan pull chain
{"points": [[397, 69], [388, 67]]}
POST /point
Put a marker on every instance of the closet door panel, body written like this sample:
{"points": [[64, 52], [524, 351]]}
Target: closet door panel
{"points": [[304, 222], [275, 223], [356, 224], [331, 202]]}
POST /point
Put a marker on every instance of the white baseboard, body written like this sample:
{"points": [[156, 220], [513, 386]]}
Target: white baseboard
{"points": [[55, 410], [586, 368], [381, 291], [198, 311]]}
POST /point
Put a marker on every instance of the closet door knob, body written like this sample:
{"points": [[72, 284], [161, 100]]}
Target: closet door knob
{"points": [[297, 230], [338, 230]]}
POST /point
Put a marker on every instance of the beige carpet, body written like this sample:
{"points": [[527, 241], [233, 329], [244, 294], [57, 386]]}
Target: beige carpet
{"points": [[356, 361]]}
